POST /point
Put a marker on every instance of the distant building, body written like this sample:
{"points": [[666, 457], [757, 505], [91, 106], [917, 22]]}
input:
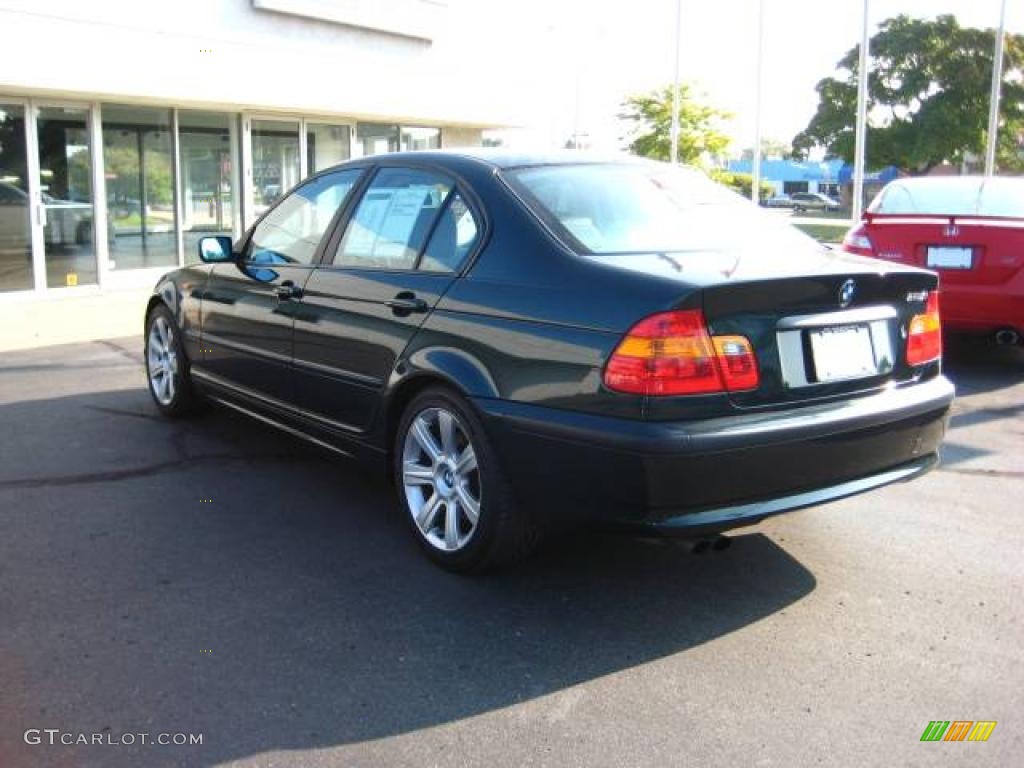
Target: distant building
{"points": [[129, 130], [829, 177]]}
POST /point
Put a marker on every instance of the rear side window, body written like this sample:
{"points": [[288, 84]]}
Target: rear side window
{"points": [[291, 232], [393, 220], [454, 236]]}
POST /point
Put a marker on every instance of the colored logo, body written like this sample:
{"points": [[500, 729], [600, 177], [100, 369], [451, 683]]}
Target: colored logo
{"points": [[846, 291], [958, 730]]}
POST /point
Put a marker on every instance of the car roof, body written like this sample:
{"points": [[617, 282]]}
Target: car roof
{"points": [[500, 157]]}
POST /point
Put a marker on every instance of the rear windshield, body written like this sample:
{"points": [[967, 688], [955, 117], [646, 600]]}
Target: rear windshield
{"points": [[953, 197], [610, 208]]}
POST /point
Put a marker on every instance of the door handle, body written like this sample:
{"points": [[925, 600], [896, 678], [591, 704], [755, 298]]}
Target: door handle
{"points": [[406, 303], [287, 291]]}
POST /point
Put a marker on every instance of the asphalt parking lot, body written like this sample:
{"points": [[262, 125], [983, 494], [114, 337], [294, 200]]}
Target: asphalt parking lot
{"points": [[216, 577]]}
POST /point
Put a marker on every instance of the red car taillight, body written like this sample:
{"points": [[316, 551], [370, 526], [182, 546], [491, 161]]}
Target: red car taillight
{"points": [[857, 241], [924, 338], [671, 353]]}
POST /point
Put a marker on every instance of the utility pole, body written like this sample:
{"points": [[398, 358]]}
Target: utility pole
{"points": [[862, 121], [993, 102], [674, 132], [755, 168]]}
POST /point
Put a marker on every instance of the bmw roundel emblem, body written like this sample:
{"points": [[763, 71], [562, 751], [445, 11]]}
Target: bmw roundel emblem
{"points": [[846, 292]]}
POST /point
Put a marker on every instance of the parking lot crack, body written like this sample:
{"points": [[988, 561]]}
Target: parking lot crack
{"points": [[146, 470]]}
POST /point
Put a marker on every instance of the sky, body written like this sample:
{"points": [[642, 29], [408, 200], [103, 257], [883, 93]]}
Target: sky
{"points": [[581, 59]]}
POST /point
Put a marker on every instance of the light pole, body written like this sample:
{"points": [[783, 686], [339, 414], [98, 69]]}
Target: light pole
{"points": [[862, 120], [674, 131], [755, 168], [993, 103]]}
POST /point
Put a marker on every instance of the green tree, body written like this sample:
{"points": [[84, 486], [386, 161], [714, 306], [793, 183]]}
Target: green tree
{"points": [[651, 117], [928, 97], [741, 182]]}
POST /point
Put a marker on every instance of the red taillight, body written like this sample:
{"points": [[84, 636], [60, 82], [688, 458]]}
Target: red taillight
{"points": [[671, 353], [924, 337], [737, 362], [857, 241]]}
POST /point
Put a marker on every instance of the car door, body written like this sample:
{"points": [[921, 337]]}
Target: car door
{"points": [[383, 271], [249, 306]]}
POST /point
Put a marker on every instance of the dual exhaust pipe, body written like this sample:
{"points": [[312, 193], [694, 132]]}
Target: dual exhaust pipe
{"points": [[1006, 337]]}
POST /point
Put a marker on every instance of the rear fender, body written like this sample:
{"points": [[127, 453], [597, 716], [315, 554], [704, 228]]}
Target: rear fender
{"points": [[464, 372]]}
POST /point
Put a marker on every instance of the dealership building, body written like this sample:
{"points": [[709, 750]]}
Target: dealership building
{"points": [[129, 130]]}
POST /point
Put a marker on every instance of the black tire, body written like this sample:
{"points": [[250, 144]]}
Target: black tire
{"points": [[502, 533], [181, 399]]}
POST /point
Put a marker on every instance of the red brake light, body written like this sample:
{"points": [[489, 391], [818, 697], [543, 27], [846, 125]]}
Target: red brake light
{"points": [[924, 337], [857, 241], [671, 353]]}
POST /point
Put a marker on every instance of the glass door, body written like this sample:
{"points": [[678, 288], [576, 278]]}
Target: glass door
{"points": [[66, 213], [16, 273], [209, 198], [275, 160], [138, 166], [327, 144]]}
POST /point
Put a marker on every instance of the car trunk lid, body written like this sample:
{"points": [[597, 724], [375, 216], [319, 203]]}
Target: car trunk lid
{"points": [[965, 250], [820, 336], [822, 323]]}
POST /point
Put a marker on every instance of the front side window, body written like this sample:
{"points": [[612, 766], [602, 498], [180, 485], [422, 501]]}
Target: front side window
{"points": [[608, 208], [291, 232], [393, 220]]}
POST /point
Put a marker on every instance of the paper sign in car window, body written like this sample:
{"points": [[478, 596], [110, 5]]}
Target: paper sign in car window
{"points": [[396, 229]]}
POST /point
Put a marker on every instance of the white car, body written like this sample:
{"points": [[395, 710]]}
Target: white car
{"points": [[67, 222], [813, 201]]}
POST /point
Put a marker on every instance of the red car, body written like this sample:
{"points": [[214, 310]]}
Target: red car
{"points": [[970, 230]]}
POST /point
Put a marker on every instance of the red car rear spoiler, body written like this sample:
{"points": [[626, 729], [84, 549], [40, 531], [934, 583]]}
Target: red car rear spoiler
{"points": [[870, 216]]}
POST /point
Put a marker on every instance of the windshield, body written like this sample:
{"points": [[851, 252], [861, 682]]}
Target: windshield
{"points": [[630, 208]]}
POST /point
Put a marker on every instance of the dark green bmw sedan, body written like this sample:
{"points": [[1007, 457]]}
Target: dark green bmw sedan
{"points": [[535, 341]]}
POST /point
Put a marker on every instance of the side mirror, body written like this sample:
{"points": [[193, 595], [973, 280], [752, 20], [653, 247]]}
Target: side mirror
{"points": [[215, 250]]}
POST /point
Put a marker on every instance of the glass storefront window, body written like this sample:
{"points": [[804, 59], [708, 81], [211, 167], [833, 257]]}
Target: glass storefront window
{"points": [[275, 160], [326, 145], [414, 138], [208, 199], [15, 212], [65, 183], [138, 165], [376, 138]]}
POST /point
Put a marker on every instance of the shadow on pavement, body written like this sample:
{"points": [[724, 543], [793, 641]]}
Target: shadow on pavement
{"points": [[216, 576], [977, 364]]}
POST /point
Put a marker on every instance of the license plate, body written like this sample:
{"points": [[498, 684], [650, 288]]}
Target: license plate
{"points": [[843, 352], [948, 257]]}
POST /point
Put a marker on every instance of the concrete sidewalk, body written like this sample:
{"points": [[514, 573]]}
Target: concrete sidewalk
{"points": [[63, 319]]}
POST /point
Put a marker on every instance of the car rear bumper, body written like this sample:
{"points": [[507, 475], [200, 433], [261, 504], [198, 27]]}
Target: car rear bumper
{"points": [[704, 476], [983, 308]]}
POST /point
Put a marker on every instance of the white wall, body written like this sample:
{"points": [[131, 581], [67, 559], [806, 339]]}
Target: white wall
{"points": [[228, 54], [461, 137]]}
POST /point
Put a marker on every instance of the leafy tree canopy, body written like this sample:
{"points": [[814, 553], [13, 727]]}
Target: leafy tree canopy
{"points": [[651, 118], [928, 97]]}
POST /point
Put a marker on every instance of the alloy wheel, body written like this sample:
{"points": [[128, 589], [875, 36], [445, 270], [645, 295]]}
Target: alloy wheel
{"points": [[441, 479], [161, 360]]}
